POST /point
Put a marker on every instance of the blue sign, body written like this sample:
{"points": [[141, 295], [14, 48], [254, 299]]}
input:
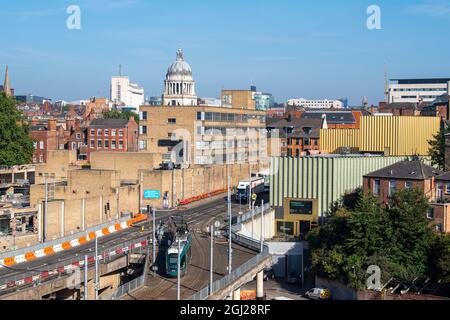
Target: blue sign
{"points": [[152, 194]]}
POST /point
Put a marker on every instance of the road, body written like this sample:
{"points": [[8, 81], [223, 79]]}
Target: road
{"points": [[197, 277], [197, 217]]}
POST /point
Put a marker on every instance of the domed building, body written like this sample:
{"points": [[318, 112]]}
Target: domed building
{"points": [[179, 86]]}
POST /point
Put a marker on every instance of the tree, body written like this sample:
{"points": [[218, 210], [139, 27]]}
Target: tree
{"points": [[117, 114], [396, 238], [16, 145], [437, 149]]}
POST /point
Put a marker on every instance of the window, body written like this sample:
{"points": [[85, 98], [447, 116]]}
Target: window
{"points": [[99, 132], [307, 143], [392, 187], [92, 144], [74, 145], [113, 133], [99, 144], [41, 145], [172, 120], [41, 158], [171, 135], [106, 144], [144, 115], [113, 145], [120, 133], [447, 188], [92, 132], [106, 132], [376, 187], [297, 153], [143, 130], [142, 144], [120, 145], [78, 136], [35, 145], [440, 192], [408, 185], [34, 159], [430, 214]]}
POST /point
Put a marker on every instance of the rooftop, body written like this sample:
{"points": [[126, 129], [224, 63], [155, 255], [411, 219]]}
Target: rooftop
{"points": [[409, 170], [109, 123]]}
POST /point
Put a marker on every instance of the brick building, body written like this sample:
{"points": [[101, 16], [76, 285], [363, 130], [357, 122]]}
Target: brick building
{"points": [[434, 184], [112, 135]]}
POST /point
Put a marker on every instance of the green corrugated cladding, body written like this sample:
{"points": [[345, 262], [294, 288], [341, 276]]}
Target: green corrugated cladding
{"points": [[322, 178]]}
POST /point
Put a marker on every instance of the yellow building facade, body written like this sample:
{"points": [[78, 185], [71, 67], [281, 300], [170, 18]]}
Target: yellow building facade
{"points": [[392, 136]]}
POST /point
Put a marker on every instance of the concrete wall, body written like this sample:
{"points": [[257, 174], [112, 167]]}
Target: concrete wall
{"points": [[190, 182], [59, 162], [128, 164], [268, 226]]}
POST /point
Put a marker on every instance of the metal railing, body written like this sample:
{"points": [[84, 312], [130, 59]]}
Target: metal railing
{"points": [[51, 243], [126, 289], [104, 251], [248, 216], [229, 279]]}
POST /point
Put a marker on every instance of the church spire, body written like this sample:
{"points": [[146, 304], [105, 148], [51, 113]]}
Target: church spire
{"points": [[6, 85]]}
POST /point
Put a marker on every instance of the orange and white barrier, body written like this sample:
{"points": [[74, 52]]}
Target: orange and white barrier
{"points": [[63, 246], [67, 269]]}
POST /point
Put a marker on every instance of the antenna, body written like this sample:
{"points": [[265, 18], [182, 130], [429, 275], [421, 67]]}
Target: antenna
{"points": [[120, 70], [386, 84]]}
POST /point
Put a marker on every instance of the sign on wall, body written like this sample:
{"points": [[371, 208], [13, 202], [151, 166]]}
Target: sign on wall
{"points": [[152, 194]]}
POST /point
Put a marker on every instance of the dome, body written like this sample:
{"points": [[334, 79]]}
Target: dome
{"points": [[179, 67]]}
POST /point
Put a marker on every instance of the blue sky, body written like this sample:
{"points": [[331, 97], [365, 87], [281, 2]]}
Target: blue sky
{"points": [[291, 48]]}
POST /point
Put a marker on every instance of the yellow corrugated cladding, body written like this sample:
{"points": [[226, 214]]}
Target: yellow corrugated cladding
{"points": [[398, 136], [335, 140], [393, 136]]}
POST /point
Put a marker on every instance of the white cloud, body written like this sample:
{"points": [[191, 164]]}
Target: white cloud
{"points": [[432, 8]]}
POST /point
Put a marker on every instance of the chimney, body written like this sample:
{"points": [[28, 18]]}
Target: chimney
{"points": [[52, 125], [70, 123]]}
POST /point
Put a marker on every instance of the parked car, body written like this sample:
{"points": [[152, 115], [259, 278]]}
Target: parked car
{"points": [[269, 274], [293, 278], [319, 294]]}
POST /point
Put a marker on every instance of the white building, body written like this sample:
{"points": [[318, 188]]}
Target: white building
{"points": [[179, 86], [316, 104], [125, 93], [417, 90]]}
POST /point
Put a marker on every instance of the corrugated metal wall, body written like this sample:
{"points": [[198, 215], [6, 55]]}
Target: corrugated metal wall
{"points": [[322, 178], [398, 135], [395, 136], [334, 140]]}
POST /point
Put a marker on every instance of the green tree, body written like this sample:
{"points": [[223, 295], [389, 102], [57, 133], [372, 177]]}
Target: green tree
{"points": [[397, 238], [437, 149], [16, 145], [117, 114]]}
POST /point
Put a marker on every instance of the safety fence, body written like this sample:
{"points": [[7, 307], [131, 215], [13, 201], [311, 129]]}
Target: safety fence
{"points": [[127, 288], [249, 215], [202, 196], [28, 278], [12, 258], [229, 279]]}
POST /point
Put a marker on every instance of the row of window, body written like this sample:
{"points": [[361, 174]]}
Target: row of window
{"points": [[303, 141], [409, 185], [106, 132], [38, 145], [106, 144], [227, 117], [418, 89], [41, 158]]}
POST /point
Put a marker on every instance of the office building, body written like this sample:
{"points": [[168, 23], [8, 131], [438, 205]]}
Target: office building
{"points": [[126, 94], [316, 104], [417, 90]]}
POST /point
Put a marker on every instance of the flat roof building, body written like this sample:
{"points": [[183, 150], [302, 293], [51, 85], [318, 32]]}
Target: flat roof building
{"points": [[417, 90]]}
